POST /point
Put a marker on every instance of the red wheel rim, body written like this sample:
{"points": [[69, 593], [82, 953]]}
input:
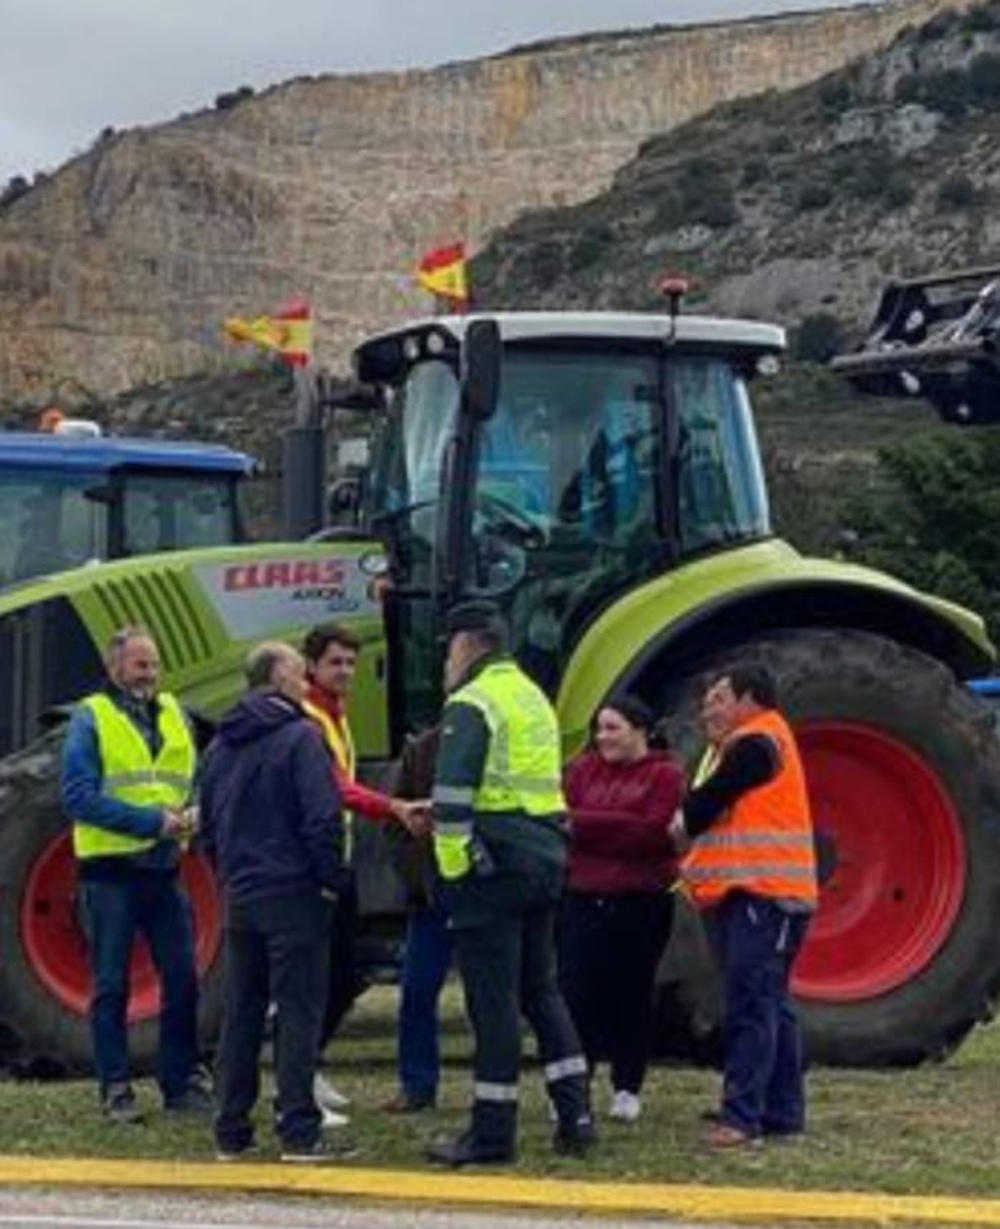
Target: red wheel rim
{"points": [[898, 871], [53, 941]]}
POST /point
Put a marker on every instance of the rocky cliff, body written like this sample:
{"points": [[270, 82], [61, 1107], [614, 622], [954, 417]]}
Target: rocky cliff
{"points": [[119, 268]]}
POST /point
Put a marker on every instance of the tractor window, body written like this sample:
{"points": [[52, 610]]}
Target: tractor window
{"points": [[721, 492], [566, 506], [572, 447], [163, 512], [47, 523], [408, 460]]}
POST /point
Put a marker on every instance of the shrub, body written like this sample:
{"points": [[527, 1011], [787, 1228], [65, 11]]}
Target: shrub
{"points": [[957, 192], [589, 246], [754, 171], [224, 102], [984, 79], [818, 338], [980, 19], [16, 187], [946, 91], [835, 94], [814, 195]]}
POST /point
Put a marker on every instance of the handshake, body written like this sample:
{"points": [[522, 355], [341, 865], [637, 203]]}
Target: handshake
{"points": [[415, 816]]}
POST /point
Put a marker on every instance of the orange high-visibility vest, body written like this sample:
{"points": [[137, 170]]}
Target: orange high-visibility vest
{"points": [[764, 844]]}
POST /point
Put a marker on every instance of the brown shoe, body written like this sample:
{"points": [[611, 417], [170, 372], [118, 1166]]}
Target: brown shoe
{"points": [[723, 1135], [407, 1103]]}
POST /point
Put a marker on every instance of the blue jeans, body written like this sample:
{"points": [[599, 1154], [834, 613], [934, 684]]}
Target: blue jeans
{"points": [[115, 912], [763, 1087], [426, 960]]}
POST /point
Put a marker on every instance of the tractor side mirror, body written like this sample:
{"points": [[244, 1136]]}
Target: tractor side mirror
{"points": [[481, 377]]}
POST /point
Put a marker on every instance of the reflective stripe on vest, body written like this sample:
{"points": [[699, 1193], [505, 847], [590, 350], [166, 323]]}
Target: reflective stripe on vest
{"points": [[523, 768], [341, 743], [131, 774], [706, 765], [765, 843]]}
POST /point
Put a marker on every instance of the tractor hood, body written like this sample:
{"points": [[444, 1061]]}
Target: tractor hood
{"points": [[735, 595]]}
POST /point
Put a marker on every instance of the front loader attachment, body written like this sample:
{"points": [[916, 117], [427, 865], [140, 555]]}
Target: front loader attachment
{"points": [[935, 338]]}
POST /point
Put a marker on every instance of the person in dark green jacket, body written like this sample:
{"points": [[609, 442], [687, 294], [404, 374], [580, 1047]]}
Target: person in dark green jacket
{"points": [[500, 847]]}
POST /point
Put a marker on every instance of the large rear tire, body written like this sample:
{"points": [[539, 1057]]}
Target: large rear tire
{"points": [[44, 973], [903, 767]]}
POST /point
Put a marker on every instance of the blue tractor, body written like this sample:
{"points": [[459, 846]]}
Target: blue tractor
{"points": [[67, 500]]}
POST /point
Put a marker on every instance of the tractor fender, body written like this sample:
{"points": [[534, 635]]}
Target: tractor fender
{"points": [[729, 597]]}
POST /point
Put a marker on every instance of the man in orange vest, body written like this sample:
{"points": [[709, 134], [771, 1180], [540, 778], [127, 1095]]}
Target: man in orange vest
{"points": [[752, 869], [331, 652]]}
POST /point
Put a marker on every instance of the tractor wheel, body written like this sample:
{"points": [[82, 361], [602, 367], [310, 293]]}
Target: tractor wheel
{"points": [[903, 767], [44, 974]]}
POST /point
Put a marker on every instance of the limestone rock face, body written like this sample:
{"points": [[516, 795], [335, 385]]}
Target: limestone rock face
{"points": [[120, 267]]}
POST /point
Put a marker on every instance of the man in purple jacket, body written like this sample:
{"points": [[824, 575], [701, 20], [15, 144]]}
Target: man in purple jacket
{"points": [[272, 825]]}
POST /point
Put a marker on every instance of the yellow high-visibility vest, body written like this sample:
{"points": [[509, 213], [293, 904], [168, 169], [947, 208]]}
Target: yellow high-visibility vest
{"points": [[523, 768], [340, 740], [131, 773]]}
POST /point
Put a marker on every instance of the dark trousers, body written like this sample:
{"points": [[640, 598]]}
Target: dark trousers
{"points": [[757, 942], [506, 957], [609, 947], [276, 949], [426, 960], [116, 911], [342, 974]]}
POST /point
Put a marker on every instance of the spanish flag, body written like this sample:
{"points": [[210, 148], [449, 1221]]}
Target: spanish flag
{"points": [[289, 332], [443, 273]]}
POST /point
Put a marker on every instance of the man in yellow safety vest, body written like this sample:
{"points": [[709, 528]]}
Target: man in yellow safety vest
{"points": [[127, 776]]}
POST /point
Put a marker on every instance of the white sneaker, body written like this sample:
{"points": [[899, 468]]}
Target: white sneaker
{"points": [[625, 1106], [327, 1097], [332, 1120]]}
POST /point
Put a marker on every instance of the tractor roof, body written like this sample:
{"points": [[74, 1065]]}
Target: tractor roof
{"points": [[709, 331], [39, 450]]}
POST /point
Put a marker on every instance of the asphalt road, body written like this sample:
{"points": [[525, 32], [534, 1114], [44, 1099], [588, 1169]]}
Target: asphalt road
{"points": [[82, 1209]]}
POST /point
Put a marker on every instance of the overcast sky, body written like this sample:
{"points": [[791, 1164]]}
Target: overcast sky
{"points": [[69, 68]]}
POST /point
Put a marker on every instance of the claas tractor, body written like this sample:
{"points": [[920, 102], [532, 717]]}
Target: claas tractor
{"points": [[597, 475]]}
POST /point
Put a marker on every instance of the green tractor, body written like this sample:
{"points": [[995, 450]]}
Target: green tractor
{"points": [[597, 474]]}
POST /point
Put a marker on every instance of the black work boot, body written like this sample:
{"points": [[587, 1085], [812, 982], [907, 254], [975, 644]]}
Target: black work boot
{"points": [[466, 1149], [575, 1138]]}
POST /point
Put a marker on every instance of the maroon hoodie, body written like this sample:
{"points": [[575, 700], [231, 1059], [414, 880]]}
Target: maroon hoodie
{"points": [[618, 823]]}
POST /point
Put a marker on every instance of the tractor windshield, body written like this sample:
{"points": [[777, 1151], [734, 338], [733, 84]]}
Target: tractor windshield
{"points": [[600, 469], [48, 522]]}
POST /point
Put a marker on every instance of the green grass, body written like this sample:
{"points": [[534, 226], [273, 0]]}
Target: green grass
{"points": [[927, 1131]]}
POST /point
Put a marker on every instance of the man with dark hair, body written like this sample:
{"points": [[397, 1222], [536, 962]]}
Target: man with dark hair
{"points": [[500, 848], [752, 869], [127, 775], [331, 653], [271, 824]]}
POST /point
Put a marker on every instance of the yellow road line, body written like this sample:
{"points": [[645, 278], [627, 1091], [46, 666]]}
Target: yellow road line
{"points": [[689, 1202]]}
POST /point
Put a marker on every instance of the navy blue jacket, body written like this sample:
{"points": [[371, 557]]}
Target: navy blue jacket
{"points": [[270, 808]]}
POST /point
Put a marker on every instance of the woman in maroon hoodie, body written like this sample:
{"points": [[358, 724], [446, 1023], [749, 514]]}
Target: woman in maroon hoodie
{"points": [[618, 907]]}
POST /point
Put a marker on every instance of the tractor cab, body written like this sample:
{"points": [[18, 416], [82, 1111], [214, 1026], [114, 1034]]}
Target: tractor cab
{"points": [[69, 500], [553, 462]]}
